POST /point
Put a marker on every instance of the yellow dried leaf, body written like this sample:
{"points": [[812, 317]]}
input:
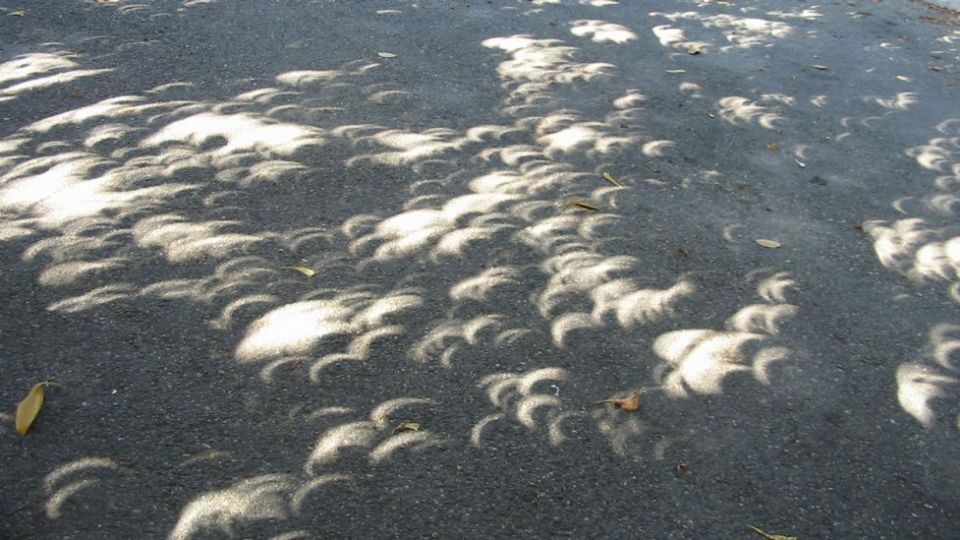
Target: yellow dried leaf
{"points": [[309, 272], [609, 178], [767, 536], [29, 408], [772, 244], [386, 55], [630, 403], [584, 205], [18, 13], [407, 426]]}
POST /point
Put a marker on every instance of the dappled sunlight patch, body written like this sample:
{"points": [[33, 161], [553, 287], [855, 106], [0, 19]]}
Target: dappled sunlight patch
{"points": [[740, 110], [530, 398], [40, 70], [448, 337], [183, 241], [927, 388], [375, 438], [536, 66], [901, 101], [395, 147], [71, 273], [698, 360], [565, 133], [239, 132], [924, 244], [602, 31], [111, 108], [95, 298], [447, 231], [227, 510], [481, 286], [740, 32], [673, 37], [67, 481], [296, 329]]}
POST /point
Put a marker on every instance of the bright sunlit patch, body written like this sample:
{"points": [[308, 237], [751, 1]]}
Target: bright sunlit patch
{"points": [[255, 499], [902, 101], [917, 386], [239, 132], [740, 110], [602, 31], [410, 440], [33, 64], [50, 81], [338, 440], [741, 32], [295, 329], [701, 359], [480, 286], [183, 241]]}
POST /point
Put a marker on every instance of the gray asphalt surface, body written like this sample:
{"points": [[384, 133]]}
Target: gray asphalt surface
{"points": [[164, 166]]}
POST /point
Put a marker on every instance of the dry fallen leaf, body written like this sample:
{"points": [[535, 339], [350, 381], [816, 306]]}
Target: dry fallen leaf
{"points": [[386, 55], [609, 178], [772, 244], [29, 408], [682, 253], [820, 67], [18, 13], [676, 71], [773, 147], [584, 205], [309, 272], [768, 536], [630, 403], [407, 426]]}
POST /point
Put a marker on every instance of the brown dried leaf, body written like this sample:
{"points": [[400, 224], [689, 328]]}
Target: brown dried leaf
{"points": [[630, 403], [29, 408], [772, 244], [682, 253], [773, 147], [407, 426], [584, 205], [309, 272]]}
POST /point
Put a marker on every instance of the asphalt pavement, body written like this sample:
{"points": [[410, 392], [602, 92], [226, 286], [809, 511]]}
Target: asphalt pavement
{"points": [[480, 269]]}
